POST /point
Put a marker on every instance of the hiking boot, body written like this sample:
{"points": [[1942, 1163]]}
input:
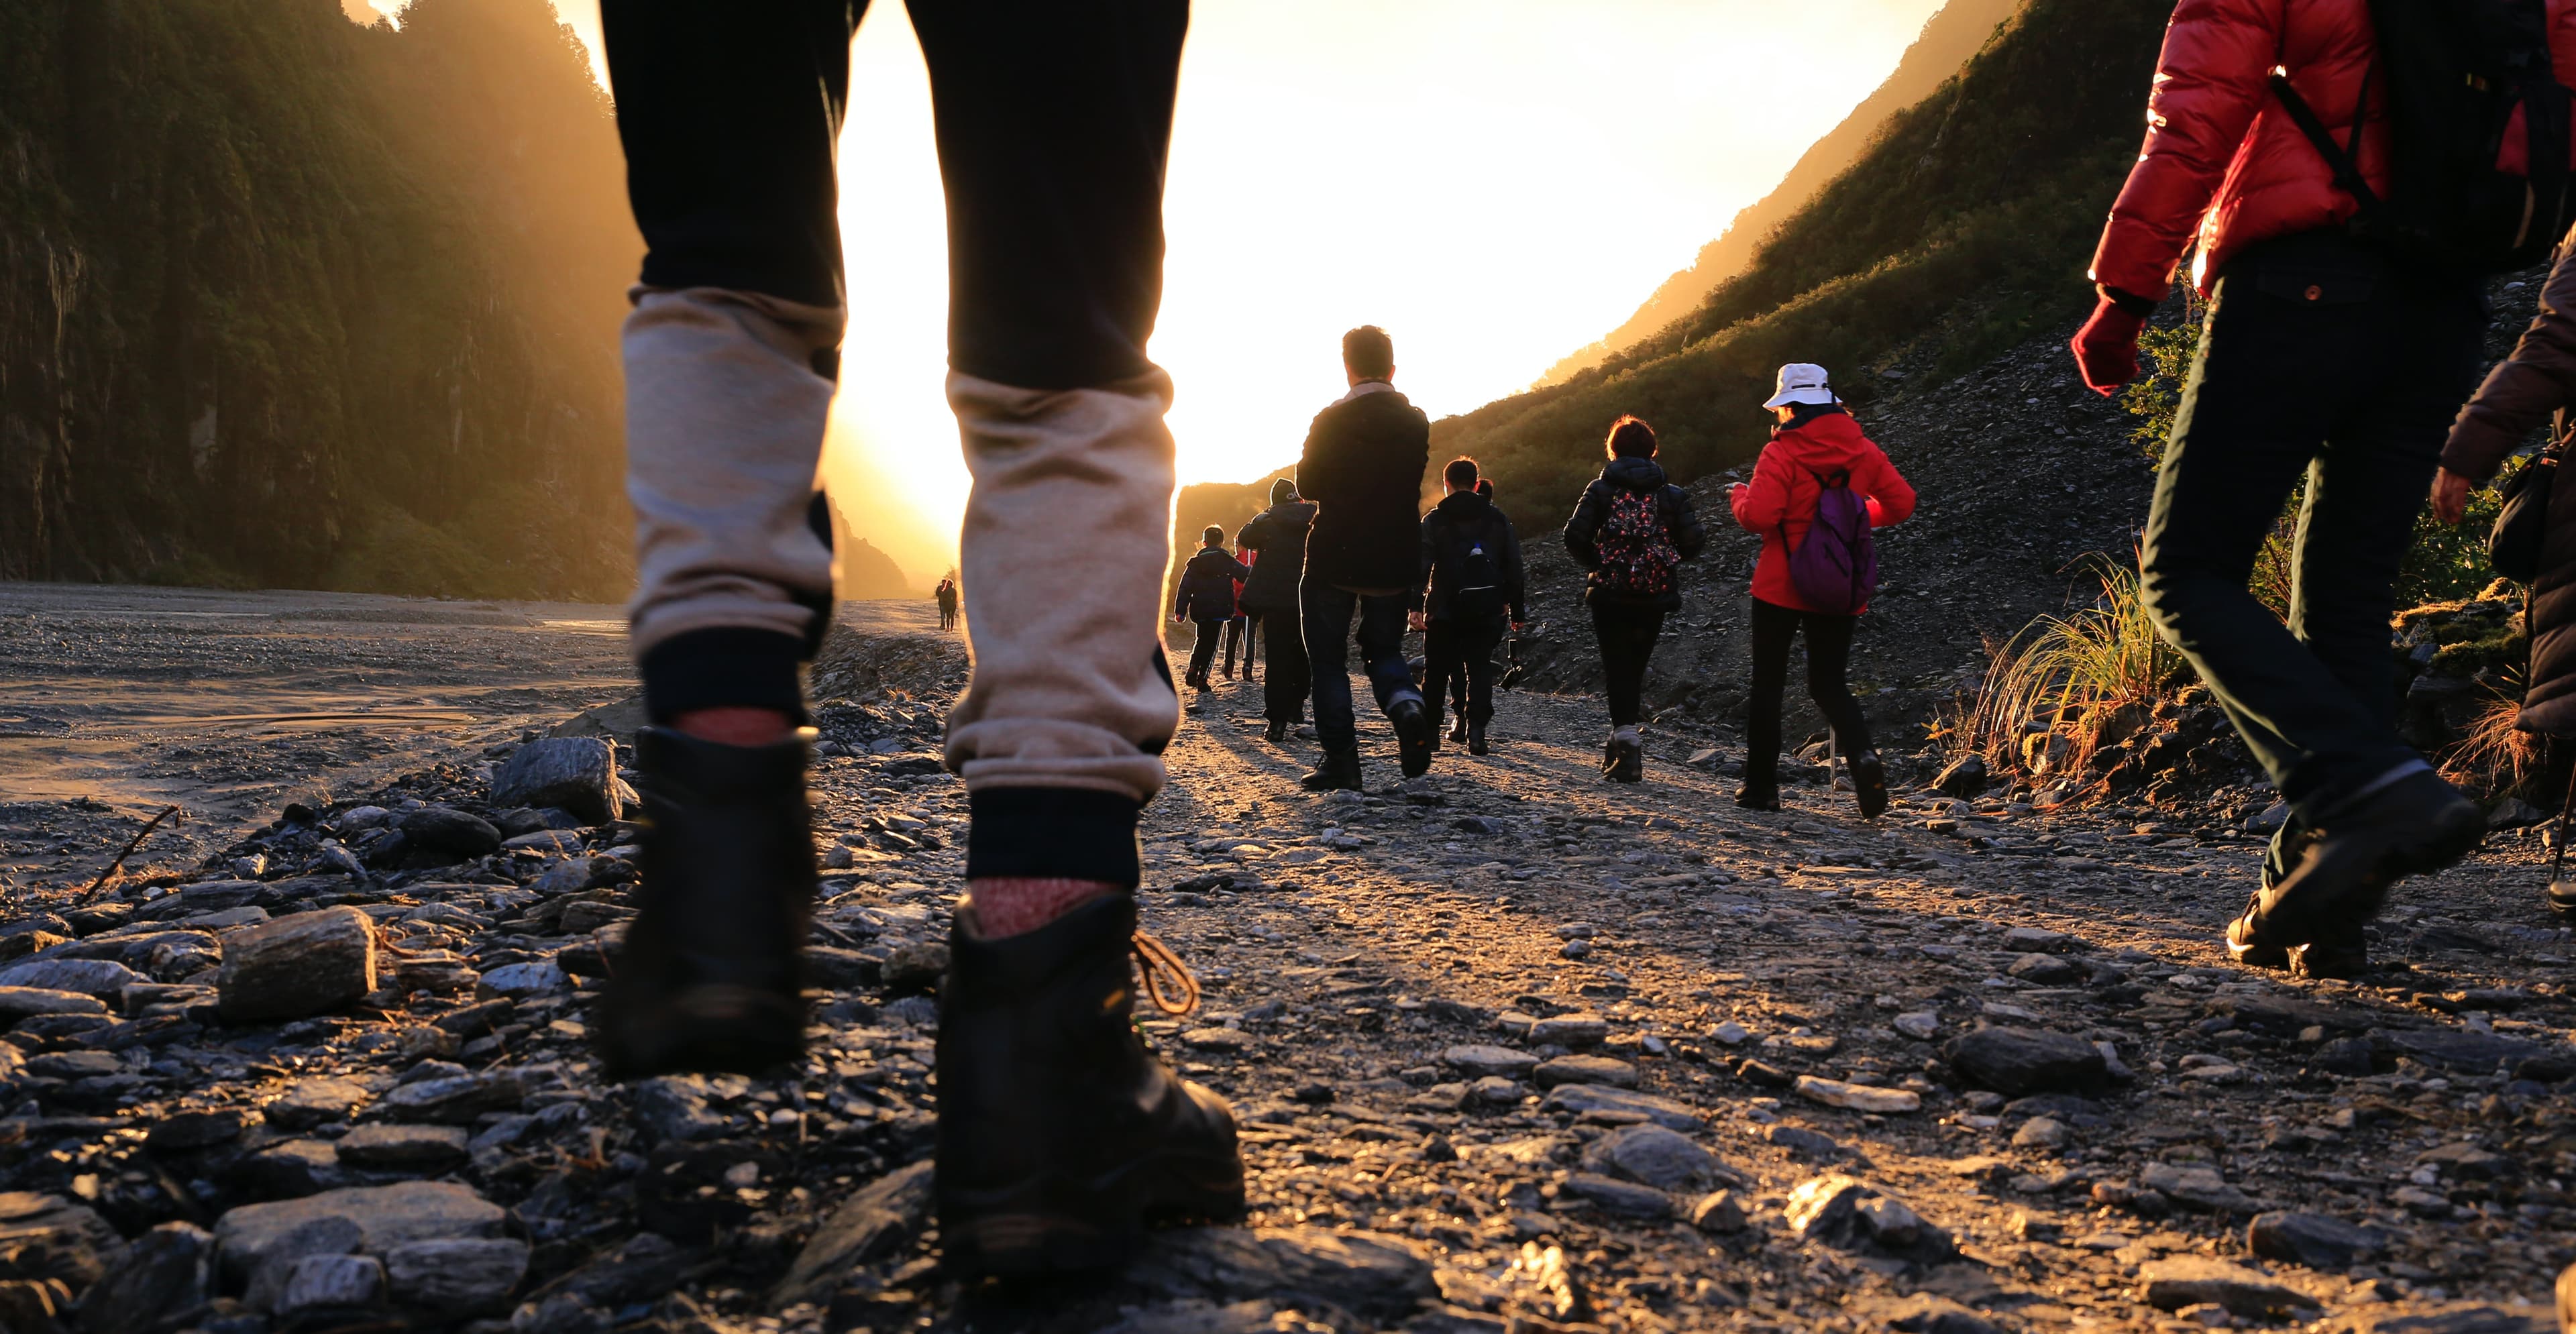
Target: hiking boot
{"points": [[1476, 740], [1758, 799], [2412, 826], [1459, 730], [709, 979], [2343, 953], [1869, 784], [1060, 1135], [1276, 733], [1339, 769], [2242, 946], [1626, 760], [1414, 736]]}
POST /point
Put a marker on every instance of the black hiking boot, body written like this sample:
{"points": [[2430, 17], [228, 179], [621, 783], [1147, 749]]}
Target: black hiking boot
{"points": [[2415, 825], [1869, 784], [2289, 844], [1625, 761], [710, 978], [1758, 799], [1060, 1135], [2343, 953], [1415, 737], [1476, 740], [1276, 733], [1339, 769]]}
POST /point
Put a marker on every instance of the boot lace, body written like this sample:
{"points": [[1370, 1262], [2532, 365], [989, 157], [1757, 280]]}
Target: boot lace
{"points": [[1169, 984]]}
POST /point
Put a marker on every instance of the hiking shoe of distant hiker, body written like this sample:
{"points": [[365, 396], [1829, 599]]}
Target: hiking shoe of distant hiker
{"points": [[1476, 740], [2415, 825], [710, 977], [1415, 736], [1060, 1136], [1276, 733], [1338, 771], [1758, 799], [1626, 762], [1869, 784], [1459, 729]]}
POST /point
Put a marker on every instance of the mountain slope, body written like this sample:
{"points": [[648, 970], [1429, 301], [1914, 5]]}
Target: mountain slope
{"points": [[1963, 230], [1949, 37], [286, 300]]}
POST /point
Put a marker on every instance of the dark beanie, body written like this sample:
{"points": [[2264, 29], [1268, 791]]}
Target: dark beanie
{"points": [[1282, 491]]}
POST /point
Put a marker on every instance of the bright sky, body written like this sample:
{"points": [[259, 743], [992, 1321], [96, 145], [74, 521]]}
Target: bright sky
{"points": [[1496, 182]]}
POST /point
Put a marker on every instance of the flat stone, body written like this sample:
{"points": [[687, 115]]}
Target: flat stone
{"points": [[1570, 1030], [167, 1273], [2196, 1188], [2313, 1240], [2460, 1050], [1920, 1025], [290, 1169], [1858, 1097], [1584, 1070], [1844, 1212], [312, 1102], [575, 773], [1802, 1141], [457, 1099], [387, 1147], [1217, 1039], [18, 1003], [47, 1236], [1486, 1059], [306, 964], [2018, 1061], [2441, 1318], [1655, 1156], [870, 1225], [386, 1217], [87, 977], [1372, 1276], [328, 1282], [449, 830], [461, 1277], [1926, 1313], [2040, 1132], [1494, 1091], [1582, 1098], [186, 1132], [517, 981], [1620, 1197], [2047, 970], [2178, 1281], [2039, 940]]}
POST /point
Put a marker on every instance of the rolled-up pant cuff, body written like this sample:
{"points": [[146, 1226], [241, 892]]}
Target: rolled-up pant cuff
{"points": [[724, 667], [1057, 833]]}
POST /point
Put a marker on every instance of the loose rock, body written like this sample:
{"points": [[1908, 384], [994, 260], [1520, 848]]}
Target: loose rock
{"points": [[310, 963]]}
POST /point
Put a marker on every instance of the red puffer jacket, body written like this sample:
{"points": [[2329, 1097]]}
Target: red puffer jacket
{"points": [[1780, 502], [2222, 156]]}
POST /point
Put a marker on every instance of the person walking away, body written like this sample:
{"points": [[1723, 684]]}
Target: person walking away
{"points": [[1362, 465], [1475, 589], [1058, 1133], [1206, 597], [2521, 393], [946, 596], [1815, 449], [1456, 685], [1238, 628], [1276, 538], [1632, 529], [2326, 354]]}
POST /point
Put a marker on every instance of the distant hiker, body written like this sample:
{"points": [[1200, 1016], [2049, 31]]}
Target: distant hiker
{"points": [[1474, 591], [2519, 396], [1632, 530], [946, 596], [2326, 355], [1240, 630], [1456, 685], [1206, 596], [1059, 1133], [1817, 490], [1277, 539], [1362, 466]]}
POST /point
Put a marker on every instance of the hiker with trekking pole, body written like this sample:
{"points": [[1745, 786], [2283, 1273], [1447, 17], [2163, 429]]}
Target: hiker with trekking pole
{"points": [[2345, 171], [1818, 489]]}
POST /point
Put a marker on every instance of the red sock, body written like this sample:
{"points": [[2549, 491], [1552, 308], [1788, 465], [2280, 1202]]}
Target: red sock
{"points": [[1016, 905]]}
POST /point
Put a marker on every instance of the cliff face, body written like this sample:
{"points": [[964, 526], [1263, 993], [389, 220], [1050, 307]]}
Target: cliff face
{"points": [[286, 300]]}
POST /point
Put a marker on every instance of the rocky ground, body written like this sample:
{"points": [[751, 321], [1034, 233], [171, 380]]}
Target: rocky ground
{"points": [[1513, 1050]]}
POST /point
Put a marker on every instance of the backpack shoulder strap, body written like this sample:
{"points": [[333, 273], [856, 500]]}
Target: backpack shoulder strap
{"points": [[2345, 166]]}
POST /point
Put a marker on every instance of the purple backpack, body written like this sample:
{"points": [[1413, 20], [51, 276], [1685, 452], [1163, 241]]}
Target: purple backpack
{"points": [[1836, 568]]}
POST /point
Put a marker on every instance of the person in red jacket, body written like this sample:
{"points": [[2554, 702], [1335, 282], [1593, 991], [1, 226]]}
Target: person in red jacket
{"points": [[1815, 438], [2322, 357]]}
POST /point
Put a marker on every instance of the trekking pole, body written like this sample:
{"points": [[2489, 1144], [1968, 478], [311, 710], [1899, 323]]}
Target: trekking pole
{"points": [[2558, 837]]}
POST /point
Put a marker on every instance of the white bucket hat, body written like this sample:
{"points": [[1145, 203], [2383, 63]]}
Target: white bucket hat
{"points": [[1801, 382]]}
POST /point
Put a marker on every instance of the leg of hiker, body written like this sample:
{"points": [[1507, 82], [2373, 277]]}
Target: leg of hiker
{"points": [[1829, 641], [1627, 636], [2279, 372], [729, 354], [1381, 640], [1327, 612], [1058, 1132], [1203, 650], [1285, 680], [1481, 641], [1773, 629], [1442, 649]]}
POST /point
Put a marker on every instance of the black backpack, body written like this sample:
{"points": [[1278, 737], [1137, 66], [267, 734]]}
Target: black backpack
{"points": [[2479, 133], [1479, 595]]}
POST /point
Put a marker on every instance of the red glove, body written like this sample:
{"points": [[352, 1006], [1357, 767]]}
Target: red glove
{"points": [[2106, 348]]}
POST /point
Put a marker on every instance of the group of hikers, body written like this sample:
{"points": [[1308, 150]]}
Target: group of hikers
{"points": [[2337, 347]]}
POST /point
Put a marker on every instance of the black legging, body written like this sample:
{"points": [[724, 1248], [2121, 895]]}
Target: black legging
{"points": [[1828, 657], [1627, 636]]}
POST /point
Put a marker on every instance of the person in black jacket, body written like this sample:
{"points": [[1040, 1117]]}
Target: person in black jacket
{"points": [[1632, 530], [1277, 536], [1362, 466], [1471, 562], [1206, 596]]}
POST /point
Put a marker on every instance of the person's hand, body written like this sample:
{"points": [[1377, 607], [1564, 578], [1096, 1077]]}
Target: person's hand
{"points": [[1417, 620], [2450, 496], [1520, 627], [2106, 348]]}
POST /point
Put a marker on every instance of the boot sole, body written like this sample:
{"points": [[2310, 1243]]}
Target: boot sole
{"points": [[701, 1030], [1415, 742], [1869, 787], [1002, 1234]]}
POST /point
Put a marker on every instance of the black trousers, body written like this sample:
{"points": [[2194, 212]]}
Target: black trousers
{"points": [[1627, 636], [1462, 651], [2324, 359], [1334, 619], [1053, 117], [1829, 640], [1286, 676], [1203, 652], [1238, 635]]}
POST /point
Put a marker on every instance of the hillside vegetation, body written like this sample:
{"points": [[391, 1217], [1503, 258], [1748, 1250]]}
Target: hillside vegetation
{"points": [[1964, 229], [286, 300], [1949, 37]]}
